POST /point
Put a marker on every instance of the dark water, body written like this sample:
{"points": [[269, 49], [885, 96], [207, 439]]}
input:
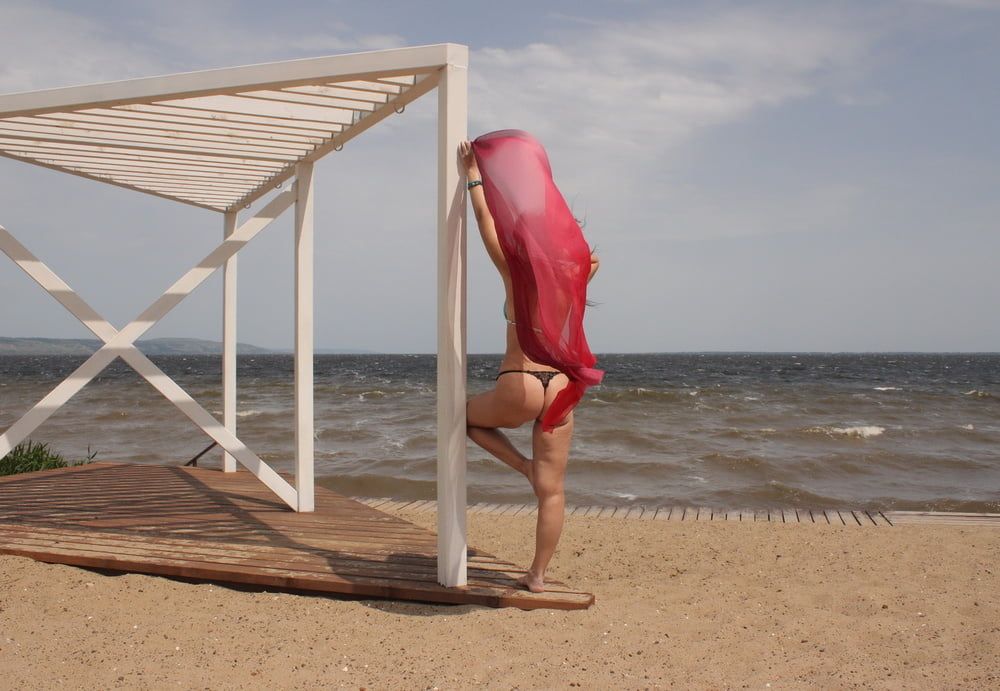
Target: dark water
{"points": [[905, 431]]}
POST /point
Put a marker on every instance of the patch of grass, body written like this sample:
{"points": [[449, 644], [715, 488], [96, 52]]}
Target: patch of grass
{"points": [[29, 456]]}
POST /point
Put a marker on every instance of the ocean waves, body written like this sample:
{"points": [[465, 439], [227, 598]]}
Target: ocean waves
{"points": [[726, 430]]}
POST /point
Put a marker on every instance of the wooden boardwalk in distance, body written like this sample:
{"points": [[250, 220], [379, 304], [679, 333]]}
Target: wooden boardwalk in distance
{"points": [[227, 527], [845, 517]]}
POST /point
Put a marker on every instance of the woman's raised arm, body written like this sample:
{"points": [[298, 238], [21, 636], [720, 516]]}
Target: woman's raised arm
{"points": [[484, 219]]}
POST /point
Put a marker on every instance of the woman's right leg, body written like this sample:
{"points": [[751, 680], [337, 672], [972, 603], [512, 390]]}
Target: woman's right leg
{"points": [[548, 474]]}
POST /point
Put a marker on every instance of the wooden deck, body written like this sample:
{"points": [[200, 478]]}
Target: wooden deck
{"points": [[863, 518], [208, 525]]}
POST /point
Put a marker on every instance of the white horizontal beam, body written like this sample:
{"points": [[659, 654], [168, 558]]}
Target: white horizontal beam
{"points": [[374, 64]]}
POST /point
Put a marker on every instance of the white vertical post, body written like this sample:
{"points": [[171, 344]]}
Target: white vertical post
{"points": [[451, 497], [304, 336], [229, 343]]}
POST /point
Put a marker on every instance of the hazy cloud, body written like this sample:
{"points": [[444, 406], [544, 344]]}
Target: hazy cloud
{"points": [[642, 87], [43, 47]]}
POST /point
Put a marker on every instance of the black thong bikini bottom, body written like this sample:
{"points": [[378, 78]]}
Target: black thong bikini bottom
{"points": [[541, 375]]}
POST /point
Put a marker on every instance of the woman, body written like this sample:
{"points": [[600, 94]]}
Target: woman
{"points": [[525, 388]]}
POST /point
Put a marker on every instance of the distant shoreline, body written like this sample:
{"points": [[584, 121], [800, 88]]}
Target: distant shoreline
{"points": [[152, 346], [196, 346]]}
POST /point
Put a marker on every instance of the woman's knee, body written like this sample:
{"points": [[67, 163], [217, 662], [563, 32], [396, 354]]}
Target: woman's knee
{"points": [[548, 488]]}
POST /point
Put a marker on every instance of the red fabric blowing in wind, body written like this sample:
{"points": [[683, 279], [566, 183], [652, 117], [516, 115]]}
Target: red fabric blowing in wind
{"points": [[548, 259]]}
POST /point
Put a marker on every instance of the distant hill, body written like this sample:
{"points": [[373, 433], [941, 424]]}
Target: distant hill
{"points": [[152, 346]]}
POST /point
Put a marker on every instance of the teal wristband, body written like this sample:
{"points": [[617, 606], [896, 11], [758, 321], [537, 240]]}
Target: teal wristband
{"points": [[474, 183]]}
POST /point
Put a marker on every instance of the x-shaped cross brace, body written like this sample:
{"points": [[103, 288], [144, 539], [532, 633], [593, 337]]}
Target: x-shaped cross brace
{"points": [[122, 344]]}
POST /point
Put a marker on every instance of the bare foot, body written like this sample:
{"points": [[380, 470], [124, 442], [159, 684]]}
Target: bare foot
{"points": [[532, 582]]}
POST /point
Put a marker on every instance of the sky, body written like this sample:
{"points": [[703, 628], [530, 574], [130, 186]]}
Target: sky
{"points": [[755, 176]]}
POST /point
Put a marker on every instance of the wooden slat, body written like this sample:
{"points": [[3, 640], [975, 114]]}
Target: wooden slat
{"points": [[97, 134], [634, 512], [350, 95], [322, 100], [175, 117], [842, 517], [244, 105], [324, 128], [144, 122]]}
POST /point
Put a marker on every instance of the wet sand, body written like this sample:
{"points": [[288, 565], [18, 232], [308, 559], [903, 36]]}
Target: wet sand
{"points": [[685, 605]]}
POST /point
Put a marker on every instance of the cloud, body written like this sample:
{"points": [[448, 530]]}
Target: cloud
{"points": [[43, 47], [217, 35], [643, 87]]}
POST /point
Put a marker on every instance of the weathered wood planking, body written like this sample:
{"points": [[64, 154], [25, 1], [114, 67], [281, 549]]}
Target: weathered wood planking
{"points": [[207, 525]]}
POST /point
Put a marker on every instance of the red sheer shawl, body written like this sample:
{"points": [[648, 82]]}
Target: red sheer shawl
{"points": [[548, 259]]}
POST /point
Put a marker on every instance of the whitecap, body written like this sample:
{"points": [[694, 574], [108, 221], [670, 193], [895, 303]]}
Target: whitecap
{"points": [[968, 427], [886, 388], [625, 495], [247, 413], [861, 431]]}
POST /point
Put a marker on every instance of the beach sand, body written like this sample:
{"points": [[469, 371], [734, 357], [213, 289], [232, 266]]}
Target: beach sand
{"points": [[685, 605]]}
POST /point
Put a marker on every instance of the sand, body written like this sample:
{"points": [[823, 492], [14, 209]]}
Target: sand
{"points": [[685, 605]]}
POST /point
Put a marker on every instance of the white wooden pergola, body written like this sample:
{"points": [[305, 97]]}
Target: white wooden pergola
{"points": [[221, 140]]}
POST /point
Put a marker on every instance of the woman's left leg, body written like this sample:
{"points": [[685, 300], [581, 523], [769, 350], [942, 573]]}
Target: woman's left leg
{"points": [[496, 443], [483, 417]]}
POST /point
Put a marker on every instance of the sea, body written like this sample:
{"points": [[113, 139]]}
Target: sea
{"points": [[904, 431]]}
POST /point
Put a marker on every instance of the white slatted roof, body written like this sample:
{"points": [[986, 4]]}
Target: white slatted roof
{"points": [[217, 139]]}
